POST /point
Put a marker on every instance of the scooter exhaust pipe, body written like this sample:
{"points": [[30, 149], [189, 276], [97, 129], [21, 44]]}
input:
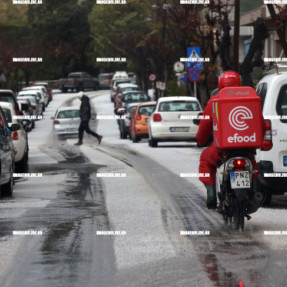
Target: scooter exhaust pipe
{"points": [[255, 202]]}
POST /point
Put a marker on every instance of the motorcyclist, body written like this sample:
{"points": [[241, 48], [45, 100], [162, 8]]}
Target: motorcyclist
{"points": [[210, 156]]}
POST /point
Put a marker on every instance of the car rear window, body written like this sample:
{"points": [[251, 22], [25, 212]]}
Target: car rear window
{"points": [[261, 92], [74, 76], [281, 105], [146, 110], [68, 114], [129, 89], [8, 98], [134, 97], [179, 106], [7, 115]]}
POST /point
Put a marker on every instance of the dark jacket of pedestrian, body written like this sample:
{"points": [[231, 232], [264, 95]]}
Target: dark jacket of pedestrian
{"points": [[85, 109]]}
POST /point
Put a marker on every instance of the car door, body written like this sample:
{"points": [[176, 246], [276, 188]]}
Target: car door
{"points": [[6, 150]]}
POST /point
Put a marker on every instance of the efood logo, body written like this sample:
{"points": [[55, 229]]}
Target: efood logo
{"points": [[237, 117]]}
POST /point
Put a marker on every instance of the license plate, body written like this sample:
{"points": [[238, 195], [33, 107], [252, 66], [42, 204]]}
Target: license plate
{"points": [[70, 130], [177, 129], [239, 179], [285, 160]]}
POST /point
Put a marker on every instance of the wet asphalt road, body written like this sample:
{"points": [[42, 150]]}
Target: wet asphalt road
{"points": [[69, 253]]}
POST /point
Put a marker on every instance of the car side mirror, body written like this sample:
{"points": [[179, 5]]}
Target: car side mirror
{"points": [[15, 127], [197, 120], [26, 123]]}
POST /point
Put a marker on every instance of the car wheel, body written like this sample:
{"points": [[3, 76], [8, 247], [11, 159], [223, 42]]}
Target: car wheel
{"points": [[33, 125], [152, 142], [7, 189], [268, 199], [22, 165], [135, 138], [43, 107]]}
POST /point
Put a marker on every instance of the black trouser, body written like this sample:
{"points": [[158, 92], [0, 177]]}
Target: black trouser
{"points": [[84, 126]]}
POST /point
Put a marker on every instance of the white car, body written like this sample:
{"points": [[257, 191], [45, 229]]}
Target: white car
{"points": [[20, 139], [172, 120], [43, 91], [120, 75], [66, 121], [272, 89], [114, 85]]}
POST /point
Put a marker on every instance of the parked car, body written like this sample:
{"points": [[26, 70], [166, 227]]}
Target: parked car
{"points": [[27, 110], [78, 81], [124, 122], [42, 91], [8, 96], [132, 97], [272, 90], [105, 80], [139, 121], [39, 98], [114, 85], [37, 106], [170, 120], [19, 136], [66, 120], [6, 156], [121, 88], [49, 90], [120, 75]]}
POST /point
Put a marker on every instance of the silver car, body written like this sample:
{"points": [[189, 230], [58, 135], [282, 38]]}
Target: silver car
{"points": [[66, 121], [172, 120]]}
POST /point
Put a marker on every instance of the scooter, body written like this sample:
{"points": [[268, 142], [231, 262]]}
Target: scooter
{"points": [[236, 187]]}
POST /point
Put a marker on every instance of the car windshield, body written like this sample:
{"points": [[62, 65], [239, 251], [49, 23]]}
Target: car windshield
{"points": [[179, 106], [135, 97], [68, 114], [7, 115], [146, 110]]}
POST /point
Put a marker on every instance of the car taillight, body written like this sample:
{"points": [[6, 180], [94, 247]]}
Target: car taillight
{"points": [[15, 136], [157, 117], [56, 122], [267, 139], [138, 117], [239, 162]]}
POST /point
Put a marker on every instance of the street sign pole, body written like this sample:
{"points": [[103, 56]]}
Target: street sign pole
{"points": [[194, 86]]}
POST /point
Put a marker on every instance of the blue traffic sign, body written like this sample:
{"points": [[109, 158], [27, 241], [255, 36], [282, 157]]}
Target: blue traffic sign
{"points": [[184, 79], [192, 53], [194, 75]]}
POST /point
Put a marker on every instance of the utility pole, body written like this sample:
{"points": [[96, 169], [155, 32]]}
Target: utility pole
{"points": [[236, 35]]}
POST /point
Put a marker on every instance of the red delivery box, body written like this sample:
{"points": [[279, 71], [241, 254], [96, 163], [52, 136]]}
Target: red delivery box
{"points": [[237, 119]]}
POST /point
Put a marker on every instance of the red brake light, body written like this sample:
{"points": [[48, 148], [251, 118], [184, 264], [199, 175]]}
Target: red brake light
{"points": [[239, 162], [138, 117], [267, 140], [15, 136], [56, 122], [157, 117]]}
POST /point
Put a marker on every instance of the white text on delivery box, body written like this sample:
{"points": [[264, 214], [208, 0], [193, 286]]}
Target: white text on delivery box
{"points": [[241, 139]]}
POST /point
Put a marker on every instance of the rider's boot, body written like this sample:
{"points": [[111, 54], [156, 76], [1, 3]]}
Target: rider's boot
{"points": [[211, 201]]}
